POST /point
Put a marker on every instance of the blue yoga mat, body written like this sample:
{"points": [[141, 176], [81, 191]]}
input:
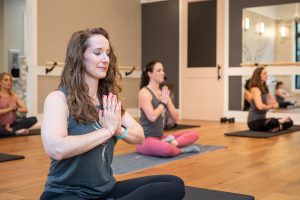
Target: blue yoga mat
{"points": [[134, 161]]}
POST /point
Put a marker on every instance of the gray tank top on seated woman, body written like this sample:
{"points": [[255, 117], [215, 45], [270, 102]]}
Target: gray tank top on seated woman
{"points": [[254, 112], [279, 99], [88, 175], [152, 129]]}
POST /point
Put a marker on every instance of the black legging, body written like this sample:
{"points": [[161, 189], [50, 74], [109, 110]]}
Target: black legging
{"points": [[17, 125], [269, 124], [285, 104], [23, 123], [159, 187]]}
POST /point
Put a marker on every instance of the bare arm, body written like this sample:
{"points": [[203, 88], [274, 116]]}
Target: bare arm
{"points": [[21, 106], [135, 131], [272, 101], [279, 92], [256, 94], [144, 101], [57, 143], [247, 95], [165, 98], [172, 110], [8, 109]]}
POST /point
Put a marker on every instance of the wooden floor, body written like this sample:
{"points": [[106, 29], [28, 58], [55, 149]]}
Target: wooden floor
{"points": [[268, 169]]}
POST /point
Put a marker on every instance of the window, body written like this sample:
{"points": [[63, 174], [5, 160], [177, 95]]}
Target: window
{"points": [[296, 81]]}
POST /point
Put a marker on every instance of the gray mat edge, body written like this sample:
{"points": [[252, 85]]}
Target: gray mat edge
{"points": [[15, 157], [167, 160], [262, 134], [192, 188]]}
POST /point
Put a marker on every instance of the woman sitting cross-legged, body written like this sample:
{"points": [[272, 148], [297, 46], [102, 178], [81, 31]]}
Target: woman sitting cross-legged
{"points": [[10, 105], [261, 102], [153, 103]]}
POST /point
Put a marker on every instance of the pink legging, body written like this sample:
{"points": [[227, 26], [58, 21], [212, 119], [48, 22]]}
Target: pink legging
{"points": [[153, 146]]}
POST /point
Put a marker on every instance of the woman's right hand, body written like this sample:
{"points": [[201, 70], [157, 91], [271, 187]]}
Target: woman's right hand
{"points": [[165, 94], [13, 106], [110, 116]]}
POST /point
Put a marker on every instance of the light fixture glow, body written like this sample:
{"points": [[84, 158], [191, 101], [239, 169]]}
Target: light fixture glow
{"points": [[283, 31], [261, 28], [246, 24]]}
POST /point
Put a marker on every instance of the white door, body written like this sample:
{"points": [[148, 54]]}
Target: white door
{"points": [[201, 88]]}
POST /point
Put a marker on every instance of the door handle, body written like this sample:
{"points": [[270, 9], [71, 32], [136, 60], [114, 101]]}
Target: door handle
{"points": [[218, 72]]}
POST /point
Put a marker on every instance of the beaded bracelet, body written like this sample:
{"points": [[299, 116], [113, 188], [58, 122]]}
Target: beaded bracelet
{"points": [[123, 134]]}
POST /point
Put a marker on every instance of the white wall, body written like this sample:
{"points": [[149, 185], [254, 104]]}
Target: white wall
{"points": [[13, 27]]}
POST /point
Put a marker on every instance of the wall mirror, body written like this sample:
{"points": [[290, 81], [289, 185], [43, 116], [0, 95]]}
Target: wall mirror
{"points": [[269, 33], [290, 87]]}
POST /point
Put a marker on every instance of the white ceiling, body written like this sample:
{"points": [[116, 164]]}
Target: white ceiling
{"points": [[278, 12]]}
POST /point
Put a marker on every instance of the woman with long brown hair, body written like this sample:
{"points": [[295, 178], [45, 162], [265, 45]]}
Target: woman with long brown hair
{"points": [[82, 122], [262, 101]]}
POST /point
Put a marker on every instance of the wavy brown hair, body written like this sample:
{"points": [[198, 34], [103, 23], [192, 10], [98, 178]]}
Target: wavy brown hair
{"points": [[2, 75], [79, 102], [257, 82], [144, 76]]}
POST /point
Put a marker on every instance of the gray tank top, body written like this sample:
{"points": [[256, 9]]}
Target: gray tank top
{"points": [[254, 112], [279, 99], [152, 129], [88, 175]]}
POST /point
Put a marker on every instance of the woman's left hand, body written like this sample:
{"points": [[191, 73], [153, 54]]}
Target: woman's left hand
{"points": [[110, 116]]}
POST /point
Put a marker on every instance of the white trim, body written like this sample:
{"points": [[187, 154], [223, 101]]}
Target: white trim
{"points": [[41, 71], [31, 55], [226, 56], [180, 54], [151, 1]]}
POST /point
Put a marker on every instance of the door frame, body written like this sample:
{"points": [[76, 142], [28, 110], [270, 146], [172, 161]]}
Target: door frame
{"points": [[222, 13], [30, 51]]}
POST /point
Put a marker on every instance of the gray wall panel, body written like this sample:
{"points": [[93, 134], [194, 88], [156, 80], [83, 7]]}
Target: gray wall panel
{"points": [[160, 39]]}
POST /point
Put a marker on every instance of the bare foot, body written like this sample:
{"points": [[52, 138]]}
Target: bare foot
{"points": [[23, 131], [282, 120], [174, 142], [8, 128]]}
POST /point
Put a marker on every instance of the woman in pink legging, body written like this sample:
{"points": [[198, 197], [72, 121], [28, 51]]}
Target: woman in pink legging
{"points": [[153, 103]]}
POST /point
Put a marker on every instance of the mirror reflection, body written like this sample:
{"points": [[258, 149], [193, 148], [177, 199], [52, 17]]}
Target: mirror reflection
{"points": [[285, 88], [270, 34]]}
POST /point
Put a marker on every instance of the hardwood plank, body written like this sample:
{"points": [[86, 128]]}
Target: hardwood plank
{"points": [[264, 168]]}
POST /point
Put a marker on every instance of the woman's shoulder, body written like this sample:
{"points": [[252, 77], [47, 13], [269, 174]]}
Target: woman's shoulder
{"points": [[255, 90], [144, 93], [56, 96]]}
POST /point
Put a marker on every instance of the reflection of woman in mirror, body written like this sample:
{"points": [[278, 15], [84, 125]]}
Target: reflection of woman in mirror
{"points": [[247, 96], [262, 102], [281, 94]]}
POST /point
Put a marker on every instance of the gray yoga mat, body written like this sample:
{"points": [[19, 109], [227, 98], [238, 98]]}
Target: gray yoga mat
{"points": [[8, 157], [180, 127], [193, 193], [134, 161], [260, 134]]}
